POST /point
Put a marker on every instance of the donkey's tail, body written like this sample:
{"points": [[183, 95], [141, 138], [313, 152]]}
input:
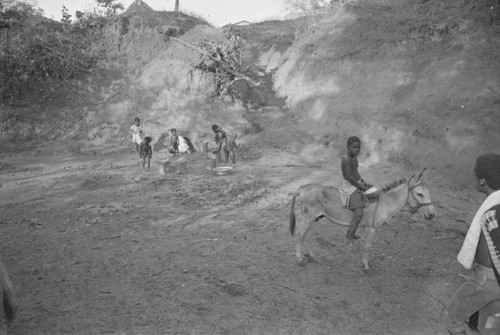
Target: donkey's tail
{"points": [[9, 300], [292, 214]]}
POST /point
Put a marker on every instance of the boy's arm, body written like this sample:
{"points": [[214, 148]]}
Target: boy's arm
{"points": [[219, 140], [348, 174], [367, 185]]}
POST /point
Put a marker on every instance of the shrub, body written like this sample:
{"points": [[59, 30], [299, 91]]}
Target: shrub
{"points": [[34, 48]]}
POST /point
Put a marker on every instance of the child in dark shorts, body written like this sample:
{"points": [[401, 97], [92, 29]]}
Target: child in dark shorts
{"points": [[146, 152]]}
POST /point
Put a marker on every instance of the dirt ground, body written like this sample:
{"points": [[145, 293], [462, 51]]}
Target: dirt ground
{"points": [[95, 245]]}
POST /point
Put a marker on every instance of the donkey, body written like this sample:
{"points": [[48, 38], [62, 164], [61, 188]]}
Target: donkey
{"points": [[9, 300], [318, 201]]}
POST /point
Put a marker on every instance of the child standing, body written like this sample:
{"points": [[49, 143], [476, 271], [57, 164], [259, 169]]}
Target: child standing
{"points": [[146, 152], [137, 134], [225, 141], [173, 147]]}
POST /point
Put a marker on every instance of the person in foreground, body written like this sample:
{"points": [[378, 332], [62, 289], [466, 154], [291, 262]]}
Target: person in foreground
{"points": [[480, 253], [353, 186]]}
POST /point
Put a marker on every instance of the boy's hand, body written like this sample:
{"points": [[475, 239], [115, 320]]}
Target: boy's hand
{"points": [[364, 186]]}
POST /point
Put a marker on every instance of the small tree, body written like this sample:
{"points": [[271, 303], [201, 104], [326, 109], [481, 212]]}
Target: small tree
{"points": [[311, 10], [110, 6], [306, 7], [18, 10], [66, 17]]}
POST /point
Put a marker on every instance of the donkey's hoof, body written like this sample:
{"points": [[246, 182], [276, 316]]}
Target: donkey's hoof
{"points": [[302, 262]]}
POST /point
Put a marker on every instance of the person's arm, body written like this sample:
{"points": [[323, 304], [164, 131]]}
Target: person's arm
{"points": [[349, 174], [367, 185], [219, 138]]}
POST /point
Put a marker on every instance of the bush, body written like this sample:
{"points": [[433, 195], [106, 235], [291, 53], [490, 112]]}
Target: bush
{"points": [[34, 48]]}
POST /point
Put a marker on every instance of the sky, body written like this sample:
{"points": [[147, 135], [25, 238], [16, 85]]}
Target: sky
{"points": [[216, 12]]}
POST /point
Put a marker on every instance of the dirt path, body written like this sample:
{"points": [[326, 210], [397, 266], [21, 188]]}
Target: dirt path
{"points": [[97, 246]]}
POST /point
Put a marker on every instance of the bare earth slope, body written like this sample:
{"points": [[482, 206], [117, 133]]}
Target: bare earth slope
{"points": [[418, 81]]}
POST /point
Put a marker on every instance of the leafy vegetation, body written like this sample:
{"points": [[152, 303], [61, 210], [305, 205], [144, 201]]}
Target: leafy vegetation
{"points": [[110, 7], [34, 48]]}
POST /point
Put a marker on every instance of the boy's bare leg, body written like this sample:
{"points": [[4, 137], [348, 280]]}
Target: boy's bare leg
{"points": [[149, 163], [227, 156], [356, 219]]}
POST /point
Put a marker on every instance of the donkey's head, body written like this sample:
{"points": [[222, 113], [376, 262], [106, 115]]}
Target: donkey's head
{"points": [[419, 196]]}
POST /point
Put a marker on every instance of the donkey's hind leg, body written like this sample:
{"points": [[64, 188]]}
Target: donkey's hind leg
{"points": [[368, 246], [301, 250]]}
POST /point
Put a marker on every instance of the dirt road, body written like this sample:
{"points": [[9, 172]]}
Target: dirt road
{"points": [[95, 245]]}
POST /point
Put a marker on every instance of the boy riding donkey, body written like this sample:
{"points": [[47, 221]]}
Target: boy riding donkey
{"points": [[353, 186]]}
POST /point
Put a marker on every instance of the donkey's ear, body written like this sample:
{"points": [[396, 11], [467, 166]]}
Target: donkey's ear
{"points": [[421, 173], [427, 173], [417, 176]]}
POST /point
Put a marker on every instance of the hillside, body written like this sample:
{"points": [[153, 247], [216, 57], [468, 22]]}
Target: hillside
{"points": [[419, 81], [408, 77]]}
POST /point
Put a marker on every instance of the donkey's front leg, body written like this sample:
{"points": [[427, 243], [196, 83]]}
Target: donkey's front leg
{"points": [[300, 235], [368, 246]]}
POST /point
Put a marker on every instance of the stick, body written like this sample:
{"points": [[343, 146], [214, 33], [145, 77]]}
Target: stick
{"points": [[110, 237], [436, 298], [193, 219], [291, 289], [159, 273]]}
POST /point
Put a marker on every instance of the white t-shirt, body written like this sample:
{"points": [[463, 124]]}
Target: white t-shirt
{"points": [[136, 136]]}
